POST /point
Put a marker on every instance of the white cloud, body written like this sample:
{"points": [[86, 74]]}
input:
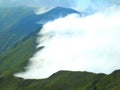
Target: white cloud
{"points": [[77, 43]]}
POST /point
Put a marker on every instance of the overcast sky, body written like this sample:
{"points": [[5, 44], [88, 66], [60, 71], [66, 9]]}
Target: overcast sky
{"points": [[44, 2]]}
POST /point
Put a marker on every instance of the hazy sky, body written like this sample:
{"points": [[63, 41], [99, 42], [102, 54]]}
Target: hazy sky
{"points": [[51, 3]]}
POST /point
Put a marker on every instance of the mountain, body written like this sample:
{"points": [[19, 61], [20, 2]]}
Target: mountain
{"points": [[65, 80], [18, 35], [56, 13], [18, 29], [17, 24]]}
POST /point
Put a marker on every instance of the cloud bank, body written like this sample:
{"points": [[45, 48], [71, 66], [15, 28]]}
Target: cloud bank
{"points": [[75, 43]]}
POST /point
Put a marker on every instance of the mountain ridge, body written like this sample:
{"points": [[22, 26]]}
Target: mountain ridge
{"points": [[64, 80]]}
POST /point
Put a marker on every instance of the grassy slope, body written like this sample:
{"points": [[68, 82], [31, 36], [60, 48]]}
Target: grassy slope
{"points": [[15, 58], [64, 80]]}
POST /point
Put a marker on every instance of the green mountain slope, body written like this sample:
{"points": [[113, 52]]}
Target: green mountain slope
{"points": [[16, 58], [65, 80]]}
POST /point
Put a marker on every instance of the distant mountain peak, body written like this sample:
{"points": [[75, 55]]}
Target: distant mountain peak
{"points": [[55, 13]]}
